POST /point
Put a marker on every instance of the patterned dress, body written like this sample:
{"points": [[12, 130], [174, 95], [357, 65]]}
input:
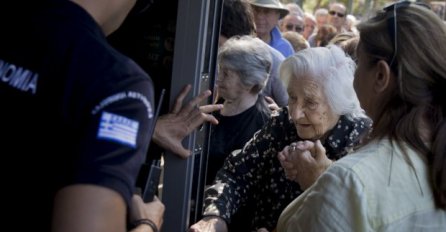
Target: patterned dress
{"points": [[254, 178]]}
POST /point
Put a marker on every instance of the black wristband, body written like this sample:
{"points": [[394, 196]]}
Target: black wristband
{"points": [[145, 221]]}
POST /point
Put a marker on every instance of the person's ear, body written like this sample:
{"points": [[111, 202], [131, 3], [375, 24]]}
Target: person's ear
{"points": [[382, 76]]}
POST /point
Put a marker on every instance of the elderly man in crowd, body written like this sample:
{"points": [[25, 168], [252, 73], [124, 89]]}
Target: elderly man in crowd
{"points": [[267, 14]]}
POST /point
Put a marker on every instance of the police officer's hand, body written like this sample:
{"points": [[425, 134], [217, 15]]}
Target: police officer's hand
{"points": [[262, 230], [154, 211], [173, 127]]}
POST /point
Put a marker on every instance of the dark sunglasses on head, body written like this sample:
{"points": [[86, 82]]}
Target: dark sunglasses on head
{"points": [[291, 27], [392, 30], [392, 23], [340, 15]]}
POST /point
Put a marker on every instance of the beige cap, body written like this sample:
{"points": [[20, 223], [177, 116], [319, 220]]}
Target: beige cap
{"points": [[271, 4]]}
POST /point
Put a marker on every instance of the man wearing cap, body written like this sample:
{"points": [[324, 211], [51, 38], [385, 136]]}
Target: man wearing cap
{"points": [[266, 15]]}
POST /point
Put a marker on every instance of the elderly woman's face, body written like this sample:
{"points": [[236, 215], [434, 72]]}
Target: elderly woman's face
{"points": [[308, 109], [229, 85]]}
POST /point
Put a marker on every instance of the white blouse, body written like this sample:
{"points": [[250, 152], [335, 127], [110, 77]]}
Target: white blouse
{"points": [[373, 189]]}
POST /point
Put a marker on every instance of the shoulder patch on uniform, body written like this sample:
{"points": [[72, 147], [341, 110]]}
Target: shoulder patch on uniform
{"points": [[118, 128]]}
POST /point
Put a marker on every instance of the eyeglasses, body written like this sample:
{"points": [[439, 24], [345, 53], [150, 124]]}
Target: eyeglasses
{"points": [[392, 23], [291, 27], [340, 15]]}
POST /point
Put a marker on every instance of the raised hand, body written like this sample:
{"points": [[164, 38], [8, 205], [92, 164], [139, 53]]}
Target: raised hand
{"points": [[172, 128]]}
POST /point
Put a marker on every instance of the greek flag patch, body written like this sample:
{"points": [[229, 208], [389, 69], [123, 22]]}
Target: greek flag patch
{"points": [[118, 128]]}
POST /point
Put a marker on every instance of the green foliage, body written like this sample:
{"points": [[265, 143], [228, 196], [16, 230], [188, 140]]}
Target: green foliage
{"points": [[355, 7]]}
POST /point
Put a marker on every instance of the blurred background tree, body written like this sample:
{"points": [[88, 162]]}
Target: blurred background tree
{"points": [[359, 8]]}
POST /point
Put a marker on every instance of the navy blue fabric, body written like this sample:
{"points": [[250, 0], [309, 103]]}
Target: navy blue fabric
{"points": [[58, 78]]}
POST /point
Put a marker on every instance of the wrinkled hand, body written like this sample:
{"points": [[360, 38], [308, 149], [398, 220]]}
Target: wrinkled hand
{"points": [[209, 224], [152, 210], [172, 128], [272, 105], [304, 161]]}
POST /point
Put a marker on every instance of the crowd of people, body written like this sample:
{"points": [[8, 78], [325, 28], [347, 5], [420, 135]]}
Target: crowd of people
{"points": [[319, 123]]}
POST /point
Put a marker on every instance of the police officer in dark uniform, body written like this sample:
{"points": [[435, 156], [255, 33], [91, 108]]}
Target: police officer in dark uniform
{"points": [[75, 119]]}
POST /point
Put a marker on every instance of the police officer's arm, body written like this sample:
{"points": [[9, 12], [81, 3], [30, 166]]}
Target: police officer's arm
{"points": [[89, 208], [94, 208]]}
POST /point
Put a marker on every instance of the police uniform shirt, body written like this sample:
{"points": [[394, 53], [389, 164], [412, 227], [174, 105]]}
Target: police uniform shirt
{"points": [[73, 110]]}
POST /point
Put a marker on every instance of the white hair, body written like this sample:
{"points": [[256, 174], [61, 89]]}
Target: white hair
{"points": [[333, 70], [250, 57]]}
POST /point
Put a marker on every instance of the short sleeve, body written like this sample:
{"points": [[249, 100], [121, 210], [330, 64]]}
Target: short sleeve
{"points": [[114, 143]]}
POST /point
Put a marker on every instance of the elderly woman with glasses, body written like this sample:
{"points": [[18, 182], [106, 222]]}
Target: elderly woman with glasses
{"points": [[396, 180], [322, 107]]}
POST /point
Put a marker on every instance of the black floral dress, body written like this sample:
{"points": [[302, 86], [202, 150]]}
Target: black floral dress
{"points": [[254, 178]]}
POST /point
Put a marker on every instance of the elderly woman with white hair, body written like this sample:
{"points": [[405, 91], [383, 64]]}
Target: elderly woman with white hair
{"points": [[322, 107], [396, 179]]}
